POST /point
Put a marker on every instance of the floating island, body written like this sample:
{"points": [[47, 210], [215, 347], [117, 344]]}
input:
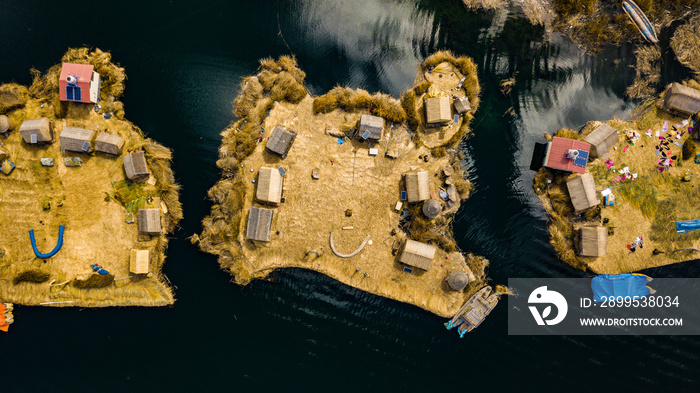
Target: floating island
{"points": [[87, 199], [360, 187], [620, 194]]}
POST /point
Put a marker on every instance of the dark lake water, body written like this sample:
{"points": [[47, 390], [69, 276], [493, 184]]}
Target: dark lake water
{"points": [[304, 331]]}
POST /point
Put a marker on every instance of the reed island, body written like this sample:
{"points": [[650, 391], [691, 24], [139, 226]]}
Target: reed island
{"points": [[360, 187], [622, 195], [86, 199]]}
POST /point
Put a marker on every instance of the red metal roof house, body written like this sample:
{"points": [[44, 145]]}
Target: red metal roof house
{"points": [[567, 155], [79, 83]]}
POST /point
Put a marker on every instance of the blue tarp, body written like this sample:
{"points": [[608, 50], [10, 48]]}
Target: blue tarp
{"points": [[56, 249], [619, 285], [687, 226]]}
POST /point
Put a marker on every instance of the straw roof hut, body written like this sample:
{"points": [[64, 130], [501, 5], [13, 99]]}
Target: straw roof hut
{"points": [[417, 254], [462, 105], [269, 185], [374, 125], [4, 154], [437, 110], [259, 223], [4, 124], [593, 241], [76, 139], [458, 280], [602, 139], [139, 261], [417, 186], [682, 99], [582, 192], [280, 141], [432, 208], [109, 143], [36, 131], [149, 221], [135, 166]]}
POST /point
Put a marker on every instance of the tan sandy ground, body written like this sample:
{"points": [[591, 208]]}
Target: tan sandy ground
{"points": [[367, 185], [626, 216], [96, 231]]}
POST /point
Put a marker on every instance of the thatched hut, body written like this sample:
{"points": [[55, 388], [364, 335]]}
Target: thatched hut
{"points": [[432, 208], [417, 254], [76, 139], [437, 110], [462, 105], [4, 124], [593, 241], [139, 261], [417, 186], [582, 192], [682, 99], [370, 127], [602, 139], [259, 223], [36, 131], [109, 143], [149, 221], [280, 141], [457, 280], [269, 185], [135, 166]]}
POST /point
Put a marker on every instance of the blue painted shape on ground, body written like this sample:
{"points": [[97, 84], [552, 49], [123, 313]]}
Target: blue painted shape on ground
{"points": [[687, 226], [613, 286], [282, 171], [53, 252], [456, 119], [341, 141]]}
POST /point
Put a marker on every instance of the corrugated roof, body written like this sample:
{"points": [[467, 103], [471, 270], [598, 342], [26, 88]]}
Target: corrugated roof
{"points": [[683, 99], [82, 71], [556, 154], [139, 261], [582, 192], [109, 143], [593, 241], [259, 223], [417, 186], [280, 141], [373, 124], [417, 254], [602, 139], [149, 221], [135, 166], [437, 110], [269, 188]]}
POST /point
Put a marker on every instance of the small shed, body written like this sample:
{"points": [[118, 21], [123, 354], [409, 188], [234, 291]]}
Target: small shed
{"points": [[682, 99], [139, 261], [269, 185], [567, 155], [417, 186], [76, 139], [259, 223], [109, 143], [457, 280], [417, 254], [602, 139], [280, 141], [462, 105], [437, 110], [372, 126], [432, 208], [79, 83], [36, 131], [135, 166], [582, 192], [4, 124], [149, 221], [593, 241]]}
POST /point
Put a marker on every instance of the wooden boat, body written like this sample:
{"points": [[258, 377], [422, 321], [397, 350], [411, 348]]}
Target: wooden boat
{"points": [[640, 20], [474, 311]]}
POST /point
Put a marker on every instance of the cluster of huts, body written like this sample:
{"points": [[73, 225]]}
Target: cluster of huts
{"points": [[80, 83], [438, 110]]}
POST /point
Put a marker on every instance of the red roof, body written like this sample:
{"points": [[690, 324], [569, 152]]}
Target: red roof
{"points": [[556, 154], [82, 71]]}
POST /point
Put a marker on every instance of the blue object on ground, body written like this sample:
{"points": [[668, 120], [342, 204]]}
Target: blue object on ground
{"points": [[408, 269], [282, 171], [614, 286], [687, 226], [102, 272], [404, 195], [456, 119], [582, 158], [56, 249], [341, 141]]}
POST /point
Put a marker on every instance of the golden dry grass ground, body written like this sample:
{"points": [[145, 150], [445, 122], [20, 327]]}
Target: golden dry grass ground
{"points": [[81, 199], [647, 207], [349, 179]]}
